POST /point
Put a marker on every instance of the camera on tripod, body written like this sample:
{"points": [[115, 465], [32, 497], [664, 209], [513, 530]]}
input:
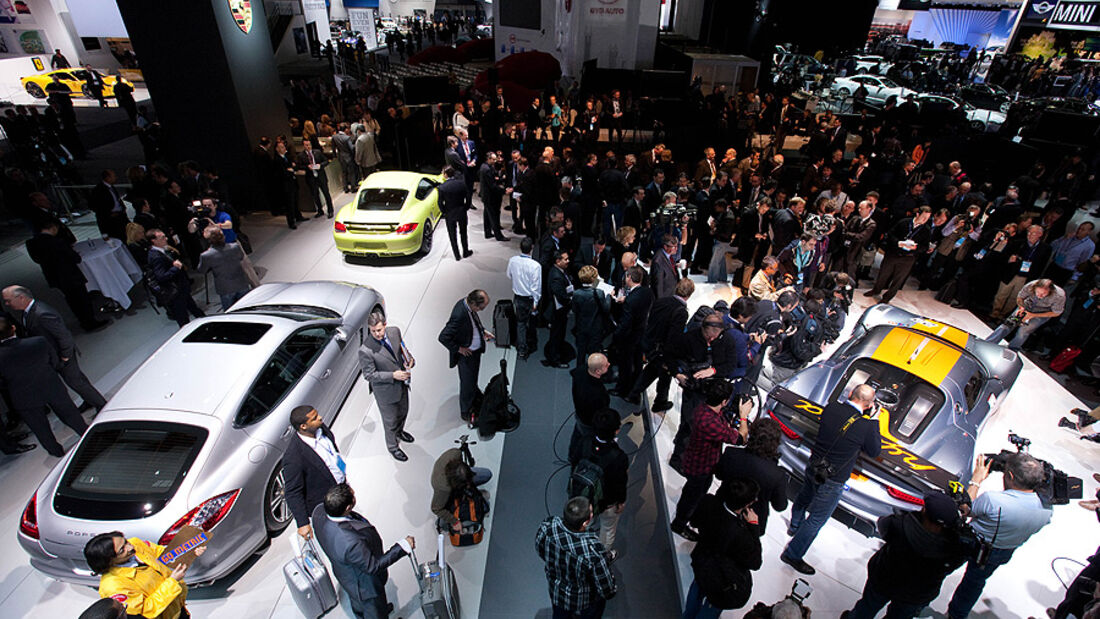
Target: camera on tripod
{"points": [[1057, 488]]}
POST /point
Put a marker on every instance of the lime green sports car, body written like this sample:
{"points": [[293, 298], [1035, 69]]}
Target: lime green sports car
{"points": [[393, 214]]}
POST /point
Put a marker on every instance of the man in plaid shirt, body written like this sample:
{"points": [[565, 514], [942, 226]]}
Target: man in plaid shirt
{"points": [[709, 430], [577, 568]]}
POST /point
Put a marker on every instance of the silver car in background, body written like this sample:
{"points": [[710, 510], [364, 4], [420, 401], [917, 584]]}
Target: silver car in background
{"points": [[196, 435]]}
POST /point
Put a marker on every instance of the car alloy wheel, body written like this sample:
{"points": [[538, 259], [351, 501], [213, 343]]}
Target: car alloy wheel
{"points": [[276, 509], [426, 239], [35, 91], [844, 93], [977, 125]]}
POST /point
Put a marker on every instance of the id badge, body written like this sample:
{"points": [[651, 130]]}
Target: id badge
{"points": [[979, 255], [1025, 266], [960, 241]]}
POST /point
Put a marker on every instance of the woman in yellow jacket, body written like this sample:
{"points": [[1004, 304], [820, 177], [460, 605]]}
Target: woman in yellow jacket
{"points": [[131, 574]]}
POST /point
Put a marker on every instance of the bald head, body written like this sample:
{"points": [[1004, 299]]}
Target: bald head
{"points": [[629, 259], [598, 364], [863, 396], [17, 297]]}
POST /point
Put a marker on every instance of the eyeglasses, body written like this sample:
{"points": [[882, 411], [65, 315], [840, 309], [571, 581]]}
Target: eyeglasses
{"points": [[712, 325]]}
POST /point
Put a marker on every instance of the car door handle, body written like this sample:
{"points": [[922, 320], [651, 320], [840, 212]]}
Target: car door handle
{"points": [[326, 374]]}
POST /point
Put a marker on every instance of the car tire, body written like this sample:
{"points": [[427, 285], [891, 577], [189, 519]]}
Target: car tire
{"points": [[426, 239], [277, 514], [844, 93], [1004, 107], [35, 91], [861, 71], [978, 126]]}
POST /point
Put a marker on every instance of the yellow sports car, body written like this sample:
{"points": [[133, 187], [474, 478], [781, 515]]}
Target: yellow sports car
{"points": [[75, 79], [393, 214]]}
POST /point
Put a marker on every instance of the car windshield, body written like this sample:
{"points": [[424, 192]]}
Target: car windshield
{"points": [[381, 199], [909, 402], [888, 83], [127, 469], [294, 312]]}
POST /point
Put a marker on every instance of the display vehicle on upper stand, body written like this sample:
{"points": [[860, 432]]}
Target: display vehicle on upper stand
{"points": [[393, 214], [936, 385], [75, 78], [196, 435]]}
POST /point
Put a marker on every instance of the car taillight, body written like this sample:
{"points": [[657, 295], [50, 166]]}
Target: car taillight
{"points": [[405, 228], [791, 434], [340, 227], [902, 496], [208, 514], [28, 523]]}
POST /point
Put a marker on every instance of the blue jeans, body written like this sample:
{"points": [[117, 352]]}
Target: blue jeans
{"points": [[819, 501], [1022, 333], [697, 606], [970, 589], [231, 298], [873, 601]]}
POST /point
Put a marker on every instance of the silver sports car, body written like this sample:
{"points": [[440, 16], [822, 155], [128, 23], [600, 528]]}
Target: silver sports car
{"points": [[936, 385], [197, 433]]}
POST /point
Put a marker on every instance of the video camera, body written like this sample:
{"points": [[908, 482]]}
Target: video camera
{"points": [[799, 592], [676, 212], [1057, 487]]}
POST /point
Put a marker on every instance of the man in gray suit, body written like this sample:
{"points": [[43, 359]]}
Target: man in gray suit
{"points": [[43, 320], [226, 260], [386, 363], [354, 547]]}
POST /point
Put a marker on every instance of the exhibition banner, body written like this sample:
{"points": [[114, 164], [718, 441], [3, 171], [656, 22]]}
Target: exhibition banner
{"points": [[362, 21]]}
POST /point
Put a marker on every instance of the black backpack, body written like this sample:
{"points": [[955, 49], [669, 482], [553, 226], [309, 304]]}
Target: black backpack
{"points": [[699, 316], [587, 480], [805, 344]]}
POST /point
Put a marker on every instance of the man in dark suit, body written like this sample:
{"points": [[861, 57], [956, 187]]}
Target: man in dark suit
{"points": [[905, 241], [787, 225], [263, 160], [667, 318], [467, 152], [354, 547], [598, 256], [452, 199], [626, 341], [59, 263], [170, 275], [752, 238], [385, 363], [312, 465], [287, 186], [662, 269], [615, 193], [110, 211], [28, 371], [42, 320], [492, 194], [556, 310], [313, 162], [465, 339]]}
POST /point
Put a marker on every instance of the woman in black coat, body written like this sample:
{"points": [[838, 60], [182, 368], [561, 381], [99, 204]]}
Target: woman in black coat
{"points": [[727, 552], [592, 315], [758, 460]]}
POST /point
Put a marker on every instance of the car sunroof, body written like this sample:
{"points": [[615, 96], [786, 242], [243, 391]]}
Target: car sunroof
{"points": [[244, 333]]}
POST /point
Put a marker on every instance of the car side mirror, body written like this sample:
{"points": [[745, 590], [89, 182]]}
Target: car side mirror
{"points": [[341, 336]]}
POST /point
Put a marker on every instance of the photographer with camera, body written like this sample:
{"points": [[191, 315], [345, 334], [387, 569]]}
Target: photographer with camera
{"points": [[920, 550], [710, 429], [800, 348], [1001, 520], [208, 212], [846, 430], [696, 355], [1037, 302]]}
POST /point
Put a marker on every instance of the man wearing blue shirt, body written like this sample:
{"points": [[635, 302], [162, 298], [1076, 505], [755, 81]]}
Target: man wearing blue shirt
{"points": [[1004, 519], [1070, 251]]}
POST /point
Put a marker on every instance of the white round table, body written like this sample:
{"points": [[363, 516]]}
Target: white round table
{"points": [[109, 268]]}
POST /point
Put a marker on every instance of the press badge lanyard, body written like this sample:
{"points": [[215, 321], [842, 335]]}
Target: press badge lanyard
{"points": [[1025, 265], [340, 464]]}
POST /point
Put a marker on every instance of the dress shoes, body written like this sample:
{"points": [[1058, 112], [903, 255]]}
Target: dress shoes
{"points": [[19, 437], [300, 217], [330, 215], [292, 226], [405, 437], [467, 253], [661, 406], [870, 293], [96, 325], [319, 215], [399, 455], [501, 237], [20, 448], [799, 565], [554, 364]]}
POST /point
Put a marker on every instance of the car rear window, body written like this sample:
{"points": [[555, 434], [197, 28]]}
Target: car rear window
{"points": [[381, 199], [245, 333], [127, 469]]}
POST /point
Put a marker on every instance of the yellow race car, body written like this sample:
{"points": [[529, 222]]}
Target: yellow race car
{"points": [[393, 214], [75, 79]]}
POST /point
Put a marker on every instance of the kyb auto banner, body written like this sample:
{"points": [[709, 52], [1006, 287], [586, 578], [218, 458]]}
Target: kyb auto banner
{"points": [[607, 11]]}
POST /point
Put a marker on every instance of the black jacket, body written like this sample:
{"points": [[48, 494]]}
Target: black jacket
{"points": [[592, 314], [725, 535], [611, 458], [688, 353], [459, 331], [602, 264], [772, 479], [911, 565], [842, 451], [28, 370], [355, 549], [667, 318], [589, 395], [785, 228], [490, 189], [1037, 257], [558, 288], [307, 477], [613, 186], [452, 197], [58, 261], [42, 320], [904, 229], [631, 325]]}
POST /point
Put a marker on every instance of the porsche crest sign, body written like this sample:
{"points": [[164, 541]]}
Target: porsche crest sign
{"points": [[242, 14]]}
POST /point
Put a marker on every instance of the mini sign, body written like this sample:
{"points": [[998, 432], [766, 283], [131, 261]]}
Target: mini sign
{"points": [[1075, 15]]}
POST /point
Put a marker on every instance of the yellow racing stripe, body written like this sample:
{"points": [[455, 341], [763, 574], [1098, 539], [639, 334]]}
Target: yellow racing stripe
{"points": [[956, 336], [917, 354]]}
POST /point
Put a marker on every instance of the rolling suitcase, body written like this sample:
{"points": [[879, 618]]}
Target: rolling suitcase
{"points": [[504, 323], [438, 590], [309, 581]]}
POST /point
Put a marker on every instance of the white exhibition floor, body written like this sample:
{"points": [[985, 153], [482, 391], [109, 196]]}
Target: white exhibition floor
{"points": [[1023, 588], [395, 496]]}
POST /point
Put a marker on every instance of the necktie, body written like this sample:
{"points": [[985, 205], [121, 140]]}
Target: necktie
{"points": [[477, 322], [386, 343]]}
